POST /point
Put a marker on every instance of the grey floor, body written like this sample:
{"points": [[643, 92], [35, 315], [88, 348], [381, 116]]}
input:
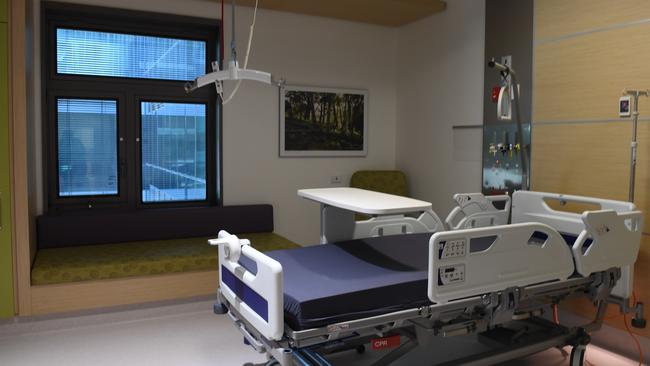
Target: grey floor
{"points": [[186, 334]]}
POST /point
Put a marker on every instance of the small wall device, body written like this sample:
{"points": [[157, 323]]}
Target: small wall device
{"points": [[624, 109]]}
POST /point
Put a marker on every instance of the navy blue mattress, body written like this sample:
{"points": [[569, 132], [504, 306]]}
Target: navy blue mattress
{"points": [[330, 283], [326, 284]]}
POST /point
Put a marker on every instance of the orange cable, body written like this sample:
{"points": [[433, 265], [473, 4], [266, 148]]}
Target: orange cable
{"points": [[635, 339], [556, 317]]}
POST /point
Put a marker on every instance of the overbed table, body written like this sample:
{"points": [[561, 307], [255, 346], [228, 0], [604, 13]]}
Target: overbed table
{"points": [[338, 206]]}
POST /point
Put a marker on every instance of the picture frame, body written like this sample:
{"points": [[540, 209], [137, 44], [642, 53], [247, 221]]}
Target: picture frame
{"points": [[323, 122]]}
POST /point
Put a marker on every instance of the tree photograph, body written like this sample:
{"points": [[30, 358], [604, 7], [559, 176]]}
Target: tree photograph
{"points": [[323, 121]]}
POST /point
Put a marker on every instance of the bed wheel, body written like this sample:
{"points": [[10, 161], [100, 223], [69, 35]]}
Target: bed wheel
{"points": [[578, 355], [361, 349], [219, 308]]}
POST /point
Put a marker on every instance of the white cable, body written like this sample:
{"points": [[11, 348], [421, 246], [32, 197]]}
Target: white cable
{"points": [[248, 51]]}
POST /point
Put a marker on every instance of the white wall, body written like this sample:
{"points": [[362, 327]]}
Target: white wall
{"points": [[439, 86], [306, 51]]}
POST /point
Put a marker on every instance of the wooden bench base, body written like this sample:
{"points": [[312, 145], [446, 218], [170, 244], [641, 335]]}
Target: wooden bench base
{"points": [[73, 296]]}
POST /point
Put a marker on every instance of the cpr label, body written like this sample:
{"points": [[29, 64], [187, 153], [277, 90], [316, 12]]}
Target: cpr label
{"points": [[386, 342]]}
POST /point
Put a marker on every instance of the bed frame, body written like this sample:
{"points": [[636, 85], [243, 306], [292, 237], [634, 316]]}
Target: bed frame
{"points": [[489, 281]]}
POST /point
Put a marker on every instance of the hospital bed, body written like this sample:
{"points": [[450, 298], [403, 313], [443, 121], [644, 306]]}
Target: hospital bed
{"points": [[299, 305]]}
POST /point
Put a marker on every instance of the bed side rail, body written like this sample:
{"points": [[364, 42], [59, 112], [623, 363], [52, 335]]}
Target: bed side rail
{"points": [[477, 210], [473, 262], [610, 239], [530, 206], [426, 222], [256, 293]]}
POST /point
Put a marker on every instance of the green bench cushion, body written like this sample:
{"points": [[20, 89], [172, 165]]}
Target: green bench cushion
{"points": [[110, 261], [385, 181]]}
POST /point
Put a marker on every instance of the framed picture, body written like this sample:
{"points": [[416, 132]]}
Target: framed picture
{"points": [[323, 121]]}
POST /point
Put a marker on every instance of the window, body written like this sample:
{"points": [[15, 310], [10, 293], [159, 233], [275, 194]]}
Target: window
{"points": [[173, 152], [85, 52], [121, 131], [87, 147]]}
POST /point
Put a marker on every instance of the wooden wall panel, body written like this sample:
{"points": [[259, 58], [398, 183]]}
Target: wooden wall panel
{"points": [[24, 242], [642, 189], [6, 243], [554, 18], [106, 293], [582, 159], [582, 78], [591, 159], [578, 78]]}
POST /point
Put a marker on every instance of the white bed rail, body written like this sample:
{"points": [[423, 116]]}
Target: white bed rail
{"points": [[614, 240], [477, 210], [426, 222], [473, 262], [530, 206], [257, 294], [613, 231]]}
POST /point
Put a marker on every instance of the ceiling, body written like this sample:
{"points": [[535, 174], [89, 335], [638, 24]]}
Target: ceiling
{"points": [[392, 13]]}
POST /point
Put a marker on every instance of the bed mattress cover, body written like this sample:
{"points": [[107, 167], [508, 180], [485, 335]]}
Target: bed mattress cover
{"points": [[355, 279], [330, 283]]}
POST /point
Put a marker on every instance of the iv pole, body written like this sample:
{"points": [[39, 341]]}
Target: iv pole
{"points": [[635, 121], [638, 321], [505, 71]]}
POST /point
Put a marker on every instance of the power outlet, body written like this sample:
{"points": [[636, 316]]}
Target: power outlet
{"points": [[336, 179], [506, 60]]}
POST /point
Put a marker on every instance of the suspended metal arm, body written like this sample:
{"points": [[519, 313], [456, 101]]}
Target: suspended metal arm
{"points": [[234, 72]]}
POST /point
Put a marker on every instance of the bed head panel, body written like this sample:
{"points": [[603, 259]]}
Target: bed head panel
{"points": [[477, 210], [473, 262], [257, 296]]}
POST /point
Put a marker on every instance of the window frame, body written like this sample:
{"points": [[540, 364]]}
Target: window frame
{"points": [[53, 149], [129, 92], [209, 159], [99, 28]]}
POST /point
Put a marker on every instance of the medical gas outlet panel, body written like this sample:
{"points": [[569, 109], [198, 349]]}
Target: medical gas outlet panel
{"points": [[502, 158]]}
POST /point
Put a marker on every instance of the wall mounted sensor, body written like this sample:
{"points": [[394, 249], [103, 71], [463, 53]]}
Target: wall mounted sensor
{"points": [[624, 109]]}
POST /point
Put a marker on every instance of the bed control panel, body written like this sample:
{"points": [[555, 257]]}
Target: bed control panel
{"points": [[450, 275], [490, 259], [452, 248]]}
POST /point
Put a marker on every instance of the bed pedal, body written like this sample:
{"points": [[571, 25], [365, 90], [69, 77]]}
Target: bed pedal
{"points": [[639, 321]]}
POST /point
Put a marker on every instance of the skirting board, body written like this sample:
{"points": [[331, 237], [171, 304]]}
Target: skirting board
{"points": [[49, 299]]}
